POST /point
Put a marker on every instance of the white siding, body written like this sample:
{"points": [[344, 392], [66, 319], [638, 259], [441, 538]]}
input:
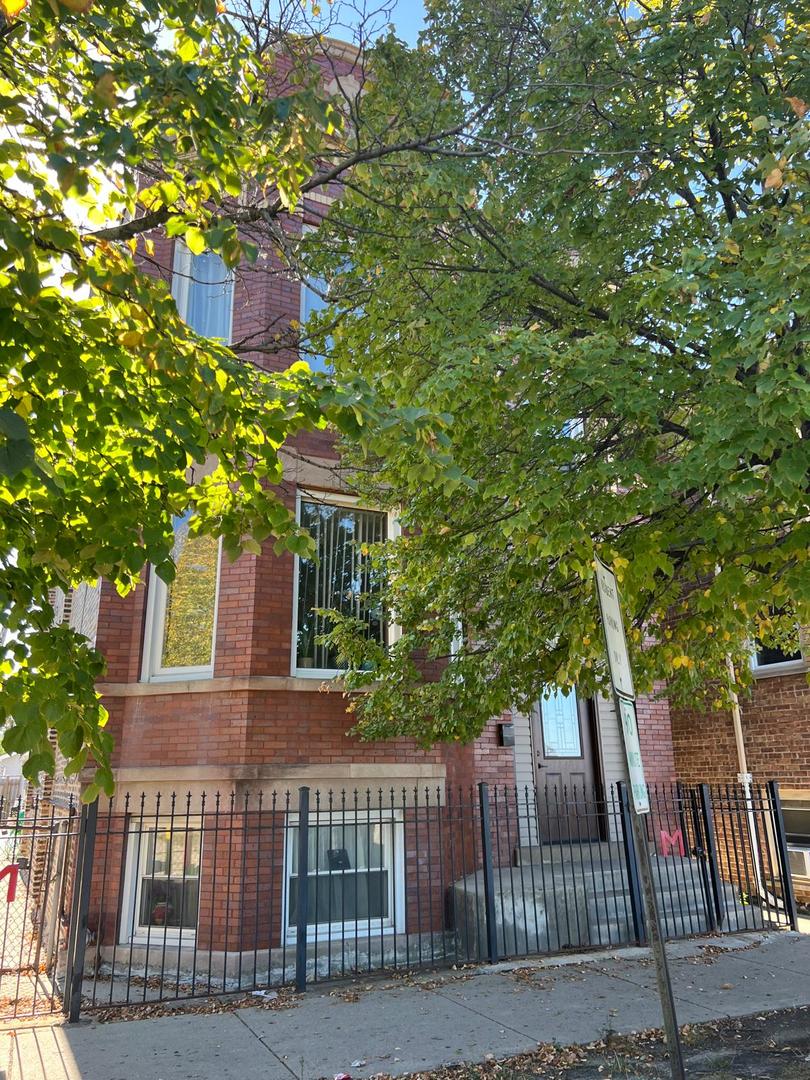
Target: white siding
{"points": [[524, 773], [84, 610], [610, 741]]}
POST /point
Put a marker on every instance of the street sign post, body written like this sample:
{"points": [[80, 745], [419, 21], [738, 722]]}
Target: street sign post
{"points": [[621, 678], [632, 751]]}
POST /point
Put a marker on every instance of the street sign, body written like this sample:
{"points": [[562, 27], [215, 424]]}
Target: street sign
{"points": [[622, 679], [618, 661], [632, 751]]}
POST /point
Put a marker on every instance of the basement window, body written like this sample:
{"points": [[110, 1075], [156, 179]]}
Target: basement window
{"points": [[355, 874]]}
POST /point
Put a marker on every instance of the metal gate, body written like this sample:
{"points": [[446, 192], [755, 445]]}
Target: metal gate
{"points": [[37, 857]]}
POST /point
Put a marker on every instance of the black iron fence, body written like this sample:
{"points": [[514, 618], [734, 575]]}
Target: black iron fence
{"points": [[200, 895], [161, 898]]}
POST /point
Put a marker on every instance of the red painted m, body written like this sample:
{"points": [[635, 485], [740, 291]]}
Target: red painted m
{"points": [[670, 841]]}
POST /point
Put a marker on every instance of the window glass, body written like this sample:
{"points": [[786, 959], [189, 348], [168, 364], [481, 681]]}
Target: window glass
{"points": [[342, 579], [190, 601], [349, 873], [312, 301], [204, 294], [561, 734], [169, 879], [767, 655]]}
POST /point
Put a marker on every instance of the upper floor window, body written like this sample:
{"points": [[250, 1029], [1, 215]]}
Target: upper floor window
{"points": [[202, 287], [181, 617], [313, 300], [342, 579]]}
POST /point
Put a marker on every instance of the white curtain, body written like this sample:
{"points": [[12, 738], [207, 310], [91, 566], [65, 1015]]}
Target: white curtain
{"points": [[209, 296]]}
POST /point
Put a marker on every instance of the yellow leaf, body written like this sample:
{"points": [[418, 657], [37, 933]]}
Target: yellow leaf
{"points": [[773, 179], [131, 339], [105, 90], [12, 8], [799, 107]]}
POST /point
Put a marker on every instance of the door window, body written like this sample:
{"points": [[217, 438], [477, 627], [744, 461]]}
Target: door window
{"points": [[560, 720]]}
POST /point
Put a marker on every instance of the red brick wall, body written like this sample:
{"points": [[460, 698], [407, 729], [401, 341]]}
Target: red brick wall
{"points": [[655, 736], [776, 730]]}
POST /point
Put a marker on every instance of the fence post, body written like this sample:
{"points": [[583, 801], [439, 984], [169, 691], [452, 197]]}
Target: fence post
{"points": [[302, 903], [707, 816], [489, 874], [74, 902], [631, 862], [788, 896], [82, 883]]}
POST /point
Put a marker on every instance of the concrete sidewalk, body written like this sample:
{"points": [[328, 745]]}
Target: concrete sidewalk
{"points": [[394, 1027]]}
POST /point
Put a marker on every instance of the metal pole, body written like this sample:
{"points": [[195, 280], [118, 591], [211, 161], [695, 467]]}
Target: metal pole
{"points": [[489, 874], [73, 917], [707, 813], [789, 898], [302, 904], [631, 862], [652, 925], [80, 939], [659, 953]]}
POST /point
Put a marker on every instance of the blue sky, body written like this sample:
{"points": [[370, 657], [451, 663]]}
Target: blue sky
{"points": [[408, 17]]}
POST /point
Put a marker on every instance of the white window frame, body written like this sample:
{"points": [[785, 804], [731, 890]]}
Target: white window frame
{"points": [[181, 283], [392, 821], [131, 932], [393, 529], [157, 592], [783, 667]]}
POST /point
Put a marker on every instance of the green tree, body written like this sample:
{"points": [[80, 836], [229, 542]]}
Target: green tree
{"points": [[120, 118], [601, 288]]}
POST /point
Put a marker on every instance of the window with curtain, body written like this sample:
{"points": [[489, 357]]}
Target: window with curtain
{"points": [[341, 579], [351, 872], [203, 290], [168, 881], [183, 613]]}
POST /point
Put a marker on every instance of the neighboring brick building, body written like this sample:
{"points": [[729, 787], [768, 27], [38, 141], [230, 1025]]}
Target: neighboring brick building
{"points": [[776, 734]]}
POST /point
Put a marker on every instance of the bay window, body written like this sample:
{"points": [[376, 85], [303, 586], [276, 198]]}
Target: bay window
{"points": [[181, 616], [342, 578], [162, 894]]}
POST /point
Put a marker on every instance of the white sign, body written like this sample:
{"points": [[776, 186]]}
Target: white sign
{"points": [[618, 660], [632, 750]]}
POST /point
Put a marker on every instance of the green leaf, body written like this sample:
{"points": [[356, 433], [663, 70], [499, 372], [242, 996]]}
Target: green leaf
{"points": [[12, 424]]}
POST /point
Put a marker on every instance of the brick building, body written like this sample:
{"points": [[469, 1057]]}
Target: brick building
{"points": [[217, 683]]}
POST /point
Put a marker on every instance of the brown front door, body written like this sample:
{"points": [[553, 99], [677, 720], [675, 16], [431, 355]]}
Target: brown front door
{"points": [[565, 768]]}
